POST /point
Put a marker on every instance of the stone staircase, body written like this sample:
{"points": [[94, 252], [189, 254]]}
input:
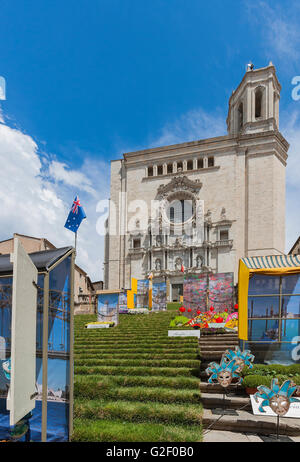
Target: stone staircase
{"points": [[212, 348]]}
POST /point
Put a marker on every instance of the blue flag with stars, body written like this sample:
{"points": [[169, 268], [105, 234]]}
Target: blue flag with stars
{"points": [[75, 216]]}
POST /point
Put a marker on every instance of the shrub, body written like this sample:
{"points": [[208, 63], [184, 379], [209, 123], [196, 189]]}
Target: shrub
{"points": [[253, 381], [273, 370], [178, 320]]}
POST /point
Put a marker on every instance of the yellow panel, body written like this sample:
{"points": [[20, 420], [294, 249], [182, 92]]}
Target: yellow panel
{"points": [[130, 299], [134, 285], [243, 300], [150, 299]]}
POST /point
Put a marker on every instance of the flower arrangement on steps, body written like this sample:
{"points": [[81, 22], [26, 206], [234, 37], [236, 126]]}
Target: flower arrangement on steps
{"points": [[208, 319]]}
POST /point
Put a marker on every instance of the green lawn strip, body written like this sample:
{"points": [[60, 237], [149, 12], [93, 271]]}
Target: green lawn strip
{"points": [[131, 350], [122, 431], [191, 383], [173, 306], [142, 394], [100, 355], [140, 343], [182, 414], [131, 346], [146, 371], [139, 362]]}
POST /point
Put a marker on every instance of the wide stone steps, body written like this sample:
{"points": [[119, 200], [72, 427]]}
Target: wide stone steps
{"points": [[211, 388], [212, 355], [220, 337], [246, 422], [215, 400]]}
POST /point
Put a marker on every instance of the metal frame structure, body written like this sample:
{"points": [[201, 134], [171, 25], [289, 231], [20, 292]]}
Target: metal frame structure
{"points": [[46, 300]]}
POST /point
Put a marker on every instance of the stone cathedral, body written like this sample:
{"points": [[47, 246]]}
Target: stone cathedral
{"points": [[220, 199]]}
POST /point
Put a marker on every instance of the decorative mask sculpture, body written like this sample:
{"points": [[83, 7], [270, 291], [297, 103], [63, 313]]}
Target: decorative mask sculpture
{"points": [[223, 373], [278, 398], [241, 358]]}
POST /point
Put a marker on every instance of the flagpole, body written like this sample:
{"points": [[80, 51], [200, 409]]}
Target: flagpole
{"points": [[75, 242]]}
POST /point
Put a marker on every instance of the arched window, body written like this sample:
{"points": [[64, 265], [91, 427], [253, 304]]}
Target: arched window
{"points": [[150, 171], [170, 168], [190, 165], [180, 210], [210, 162], [240, 116], [159, 170], [179, 166], [258, 103], [200, 163]]}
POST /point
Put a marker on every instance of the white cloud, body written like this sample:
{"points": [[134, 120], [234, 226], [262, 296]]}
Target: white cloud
{"points": [[194, 125], [291, 131], [36, 195], [61, 172], [279, 27]]}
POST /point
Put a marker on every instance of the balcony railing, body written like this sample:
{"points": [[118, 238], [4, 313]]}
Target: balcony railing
{"points": [[224, 243]]}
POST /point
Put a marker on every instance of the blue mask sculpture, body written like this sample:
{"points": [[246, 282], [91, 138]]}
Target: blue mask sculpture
{"points": [[278, 398]]}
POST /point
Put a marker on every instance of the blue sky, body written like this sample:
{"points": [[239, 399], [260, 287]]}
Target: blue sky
{"points": [[87, 81]]}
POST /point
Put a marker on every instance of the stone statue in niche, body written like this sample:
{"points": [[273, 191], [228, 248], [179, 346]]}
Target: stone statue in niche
{"points": [[178, 264], [208, 216], [199, 261], [223, 214], [157, 264]]}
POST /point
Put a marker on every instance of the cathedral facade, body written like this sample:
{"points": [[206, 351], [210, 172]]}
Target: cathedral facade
{"points": [[200, 206]]}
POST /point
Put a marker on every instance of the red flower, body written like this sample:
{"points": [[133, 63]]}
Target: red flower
{"points": [[189, 310], [236, 306], [198, 312], [226, 309], [211, 308], [182, 309]]}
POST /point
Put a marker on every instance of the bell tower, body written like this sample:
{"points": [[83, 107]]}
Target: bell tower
{"points": [[254, 105]]}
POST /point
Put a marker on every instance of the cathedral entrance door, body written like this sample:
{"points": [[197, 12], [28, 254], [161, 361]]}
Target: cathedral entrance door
{"points": [[177, 291]]}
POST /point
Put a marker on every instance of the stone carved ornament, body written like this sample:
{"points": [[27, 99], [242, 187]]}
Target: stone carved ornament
{"points": [[179, 183]]}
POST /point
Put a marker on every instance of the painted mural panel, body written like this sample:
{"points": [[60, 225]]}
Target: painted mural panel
{"points": [[108, 307], [221, 291], [142, 293], [159, 296], [200, 291], [195, 292], [123, 302]]}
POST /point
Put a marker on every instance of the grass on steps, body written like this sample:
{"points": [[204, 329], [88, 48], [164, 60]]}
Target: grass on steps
{"points": [[133, 383], [124, 431], [163, 371], [139, 412], [189, 383], [141, 394]]}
